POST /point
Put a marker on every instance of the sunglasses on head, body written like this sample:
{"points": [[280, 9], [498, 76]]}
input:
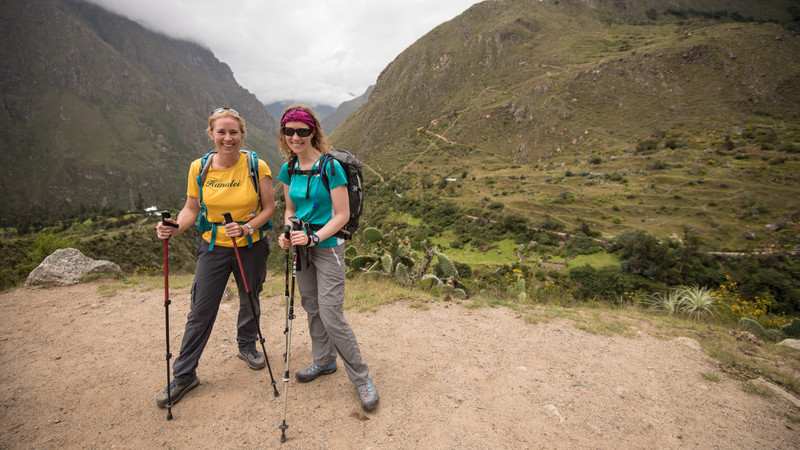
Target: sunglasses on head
{"points": [[302, 132], [219, 110]]}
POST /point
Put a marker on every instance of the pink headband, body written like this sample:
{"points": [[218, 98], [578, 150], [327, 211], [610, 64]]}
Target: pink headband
{"points": [[298, 115]]}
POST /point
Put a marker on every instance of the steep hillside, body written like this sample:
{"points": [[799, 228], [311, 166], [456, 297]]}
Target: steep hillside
{"points": [[333, 120], [104, 112], [616, 112]]}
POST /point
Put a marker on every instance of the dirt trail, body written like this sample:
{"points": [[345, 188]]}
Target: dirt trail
{"points": [[81, 370]]}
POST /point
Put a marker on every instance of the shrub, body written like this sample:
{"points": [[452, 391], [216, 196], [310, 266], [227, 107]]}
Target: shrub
{"points": [[47, 243], [606, 282], [697, 302], [647, 146], [669, 302]]}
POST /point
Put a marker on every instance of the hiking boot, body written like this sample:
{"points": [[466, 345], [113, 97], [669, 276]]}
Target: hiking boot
{"points": [[313, 371], [253, 359], [368, 394], [177, 391]]}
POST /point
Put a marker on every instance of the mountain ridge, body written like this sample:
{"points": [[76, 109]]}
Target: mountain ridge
{"points": [[618, 114], [90, 95]]}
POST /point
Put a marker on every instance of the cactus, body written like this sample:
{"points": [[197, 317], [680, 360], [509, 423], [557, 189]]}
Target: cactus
{"points": [[774, 335], [430, 282], [407, 261], [519, 290], [446, 265], [459, 293], [360, 262], [373, 235], [392, 256], [401, 275], [750, 325], [792, 329], [386, 263]]}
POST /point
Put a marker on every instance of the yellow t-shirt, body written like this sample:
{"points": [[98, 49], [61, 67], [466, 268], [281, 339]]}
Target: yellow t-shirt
{"points": [[227, 191]]}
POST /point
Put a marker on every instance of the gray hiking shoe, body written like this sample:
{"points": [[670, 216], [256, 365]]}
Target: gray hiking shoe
{"points": [[254, 360], [177, 391], [368, 394], [313, 371]]}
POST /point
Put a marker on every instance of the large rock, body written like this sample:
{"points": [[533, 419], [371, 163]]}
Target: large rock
{"points": [[67, 266]]}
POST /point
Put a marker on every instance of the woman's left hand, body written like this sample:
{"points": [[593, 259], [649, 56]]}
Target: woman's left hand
{"points": [[299, 238], [234, 230]]}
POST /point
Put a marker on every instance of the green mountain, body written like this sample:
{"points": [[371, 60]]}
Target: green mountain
{"points": [[99, 112], [663, 115], [333, 120]]}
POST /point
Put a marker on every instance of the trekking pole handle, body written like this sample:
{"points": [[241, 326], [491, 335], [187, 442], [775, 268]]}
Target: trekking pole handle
{"points": [[164, 216], [228, 218], [296, 225]]}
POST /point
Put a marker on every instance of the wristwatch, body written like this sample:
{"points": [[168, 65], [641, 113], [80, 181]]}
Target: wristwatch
{"points": [[249, 228], [315, 239]]}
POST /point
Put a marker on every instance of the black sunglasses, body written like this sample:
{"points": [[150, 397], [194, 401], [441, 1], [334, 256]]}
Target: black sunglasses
{"points": [[302, 132], [219, 110]]}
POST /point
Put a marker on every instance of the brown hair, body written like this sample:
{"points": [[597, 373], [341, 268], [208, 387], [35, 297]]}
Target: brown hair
{"points": [[318, 140]]}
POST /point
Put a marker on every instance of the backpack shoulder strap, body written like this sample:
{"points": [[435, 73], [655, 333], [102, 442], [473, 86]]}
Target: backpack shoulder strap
{"points": [[205, 165], [324, 175], [202, 220], [252, 168]]}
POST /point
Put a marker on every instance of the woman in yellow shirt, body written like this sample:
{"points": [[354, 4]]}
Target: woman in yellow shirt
{"points": [[226, 188]]}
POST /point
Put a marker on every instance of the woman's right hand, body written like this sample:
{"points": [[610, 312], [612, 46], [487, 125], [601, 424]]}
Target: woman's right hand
{"points": [[166, 231], [283, 242]]}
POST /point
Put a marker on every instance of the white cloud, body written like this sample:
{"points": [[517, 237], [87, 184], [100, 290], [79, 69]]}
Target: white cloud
{"points": [[317, 51]]}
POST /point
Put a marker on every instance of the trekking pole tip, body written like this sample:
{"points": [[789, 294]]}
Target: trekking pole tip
{"points": [[283, 428]]}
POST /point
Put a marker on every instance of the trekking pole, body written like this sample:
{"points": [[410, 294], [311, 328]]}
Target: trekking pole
{"points": [[250, 294], [165, 215], [288, 330]]}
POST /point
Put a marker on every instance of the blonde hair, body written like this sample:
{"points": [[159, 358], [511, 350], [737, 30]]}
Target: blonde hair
{"points": [[222, 114], [318, 140]]}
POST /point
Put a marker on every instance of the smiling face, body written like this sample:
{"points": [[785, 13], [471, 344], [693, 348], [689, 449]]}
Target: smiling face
{"points": [[296, 143], [227, 135]]}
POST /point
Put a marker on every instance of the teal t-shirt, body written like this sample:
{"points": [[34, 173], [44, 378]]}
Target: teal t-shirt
{"points": [[312, 201]]}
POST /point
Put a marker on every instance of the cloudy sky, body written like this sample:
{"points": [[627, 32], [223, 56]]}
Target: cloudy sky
{"points": [[314, 51]]}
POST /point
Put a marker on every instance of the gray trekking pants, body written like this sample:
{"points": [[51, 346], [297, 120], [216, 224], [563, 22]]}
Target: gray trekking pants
{"points": [[321, 281], [210, 278]]}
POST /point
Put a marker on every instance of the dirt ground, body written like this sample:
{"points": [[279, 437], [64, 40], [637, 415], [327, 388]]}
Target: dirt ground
{"points": [[80, 370]]}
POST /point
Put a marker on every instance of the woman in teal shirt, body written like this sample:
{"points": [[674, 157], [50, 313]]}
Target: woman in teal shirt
{"points": [[322, 211]]}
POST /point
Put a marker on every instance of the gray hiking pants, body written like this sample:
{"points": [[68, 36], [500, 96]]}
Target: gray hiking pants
{"points": [[210, 278], [321, 283]]}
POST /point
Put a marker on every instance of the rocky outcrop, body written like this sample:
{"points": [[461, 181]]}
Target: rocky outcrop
{"points": [[67, 266]]}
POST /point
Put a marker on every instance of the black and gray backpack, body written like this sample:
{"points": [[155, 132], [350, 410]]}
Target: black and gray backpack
{"points": [[355, 192]]}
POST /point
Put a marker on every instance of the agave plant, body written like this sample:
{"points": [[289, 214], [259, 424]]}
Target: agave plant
{"points": [[669, 302], [697, 302]]}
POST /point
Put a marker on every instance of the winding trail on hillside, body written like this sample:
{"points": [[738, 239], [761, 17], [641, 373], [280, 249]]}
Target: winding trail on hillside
{"points": [[439, 136]]}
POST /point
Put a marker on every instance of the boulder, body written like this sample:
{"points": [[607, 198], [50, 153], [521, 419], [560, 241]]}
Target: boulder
{"points": [[66, 267], [793, 343]]}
